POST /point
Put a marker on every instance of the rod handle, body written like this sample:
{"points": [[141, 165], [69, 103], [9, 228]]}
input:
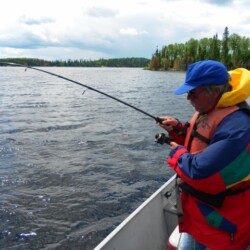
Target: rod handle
{"points": [[158, 120]]}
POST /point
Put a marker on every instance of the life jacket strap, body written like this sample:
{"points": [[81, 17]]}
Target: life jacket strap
{"points": [[215, 200], [200, 137]]}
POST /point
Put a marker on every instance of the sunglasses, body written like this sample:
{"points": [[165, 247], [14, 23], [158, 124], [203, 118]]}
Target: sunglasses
{"points": [[195, 92]]}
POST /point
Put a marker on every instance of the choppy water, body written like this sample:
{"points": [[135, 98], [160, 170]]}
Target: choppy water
{"points": [[73, 166]]}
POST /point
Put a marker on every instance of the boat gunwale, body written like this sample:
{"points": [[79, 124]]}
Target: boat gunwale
{"points": [[127, 220]]}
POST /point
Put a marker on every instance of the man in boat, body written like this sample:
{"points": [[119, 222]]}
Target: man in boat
{"points": [[211, 156]]}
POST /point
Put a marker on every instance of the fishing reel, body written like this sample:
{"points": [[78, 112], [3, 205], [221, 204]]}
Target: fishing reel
{"points": [[162, 138]]}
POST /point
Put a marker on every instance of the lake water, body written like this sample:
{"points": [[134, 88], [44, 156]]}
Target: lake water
{"points": [[74, 165]]}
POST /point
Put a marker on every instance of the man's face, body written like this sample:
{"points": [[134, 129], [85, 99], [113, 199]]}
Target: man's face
{"points": [[201, 100]]}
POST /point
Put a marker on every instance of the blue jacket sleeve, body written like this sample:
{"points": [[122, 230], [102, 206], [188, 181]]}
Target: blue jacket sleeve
{"points": [[229, 140]]}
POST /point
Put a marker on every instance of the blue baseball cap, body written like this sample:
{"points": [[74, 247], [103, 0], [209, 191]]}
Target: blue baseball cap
{"points": [[203, 73]]}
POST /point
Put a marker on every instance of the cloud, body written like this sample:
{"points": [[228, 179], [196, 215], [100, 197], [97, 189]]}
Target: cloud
{"points": [[27, 40], [37, 41], [132, 32], [220, 2], [112, 29], [36, 20], [101, 12]]}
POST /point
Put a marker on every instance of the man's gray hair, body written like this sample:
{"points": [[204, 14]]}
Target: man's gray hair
{"points": [[211, 88]]}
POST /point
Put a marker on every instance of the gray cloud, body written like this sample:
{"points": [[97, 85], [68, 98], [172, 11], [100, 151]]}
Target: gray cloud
{"points": [[107, 31], [213, 2], [35, 21], [29, 40], [220, 2], [101, 12], [25, 40]]}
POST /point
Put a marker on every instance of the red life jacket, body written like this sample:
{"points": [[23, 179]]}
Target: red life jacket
{"points": [[222, 227], [198, 138]]}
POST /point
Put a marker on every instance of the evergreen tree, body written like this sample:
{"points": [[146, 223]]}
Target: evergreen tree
{"points": [[224, 51], [215, 48], [233, 51]]}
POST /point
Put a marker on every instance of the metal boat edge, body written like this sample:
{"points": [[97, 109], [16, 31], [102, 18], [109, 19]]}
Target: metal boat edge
{"points": [[149, 226]]}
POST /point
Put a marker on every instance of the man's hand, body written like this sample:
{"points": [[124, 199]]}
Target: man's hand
{"points": [[168, 123], [173, 145]]}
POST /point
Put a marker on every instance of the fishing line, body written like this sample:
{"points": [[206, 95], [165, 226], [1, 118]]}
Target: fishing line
{"points": [[157, 119]]}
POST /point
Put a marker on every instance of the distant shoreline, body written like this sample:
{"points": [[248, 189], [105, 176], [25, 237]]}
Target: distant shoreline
{"points": [[133, 62]]}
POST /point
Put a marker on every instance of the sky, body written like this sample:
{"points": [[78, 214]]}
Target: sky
{"points": [[94, 29]]}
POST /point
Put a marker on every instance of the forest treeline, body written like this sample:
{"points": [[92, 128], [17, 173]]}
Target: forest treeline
{"points": [[232, 50], [117, 62]]}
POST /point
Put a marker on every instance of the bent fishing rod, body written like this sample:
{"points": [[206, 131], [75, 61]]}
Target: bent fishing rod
{"points": [[157, 119]]}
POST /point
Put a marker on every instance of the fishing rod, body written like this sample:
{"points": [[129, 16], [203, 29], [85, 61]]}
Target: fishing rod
{"points": [[157, 119]]}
